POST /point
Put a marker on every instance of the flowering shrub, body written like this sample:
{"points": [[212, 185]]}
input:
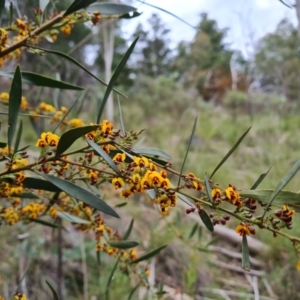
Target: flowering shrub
{"points": [[62, 182]]}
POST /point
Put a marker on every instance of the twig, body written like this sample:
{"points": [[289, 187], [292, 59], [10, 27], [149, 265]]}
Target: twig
{"points": [[236, 269]]}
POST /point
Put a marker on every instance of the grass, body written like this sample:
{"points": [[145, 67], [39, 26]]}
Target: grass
{"points": [[272, 141]]}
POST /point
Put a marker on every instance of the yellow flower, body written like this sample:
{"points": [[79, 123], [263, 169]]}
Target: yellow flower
{"points": [[165, 184], [118, 182], [287, 211], [243, 229], [47, 107], [106, 127], [76, 123], [141, 162], [66, 29], [47, 139], [216, 193], [126, 194], [4, 96], [24, 103], [232, 195], [19, 163], [19, 296], [119, 157], [298, 265], [133, 255], [3, 37]]}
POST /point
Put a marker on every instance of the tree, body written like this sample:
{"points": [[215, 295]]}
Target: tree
{"points": [[277, 60], [204, 64], [153, 52]]}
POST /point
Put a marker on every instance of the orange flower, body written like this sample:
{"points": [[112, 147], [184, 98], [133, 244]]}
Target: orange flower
{"points": [[243, 229], [216, 193], [118, 182], [232, 195], [119, 157]]}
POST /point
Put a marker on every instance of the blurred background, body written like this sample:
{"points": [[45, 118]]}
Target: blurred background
{"points": [[234, 64]]}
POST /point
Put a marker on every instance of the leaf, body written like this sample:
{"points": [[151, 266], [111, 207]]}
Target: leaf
{"points": [[39, 184], [188, 149], [208, 190], [131, 15], [245, 254], [128, 231], [285, 4], [19, 134], [229, 153], [185, 199], [149, 254], [2, 8], [283, 197], [54, 293], [77, 5], [70, 136], [152, 151], [106, 8], [25, 196], [104, 155], [193, 231], [40, 80], [45, 223], [167, 12], [123, 244], [133, 291], [14, 103], [283, 182], [74, 61], [3, 145], [43, 4], [121, 204], [260, 179], [71, 218], [206, 220], [80, 194], [115, 77], [24, 274], [110, 278]]}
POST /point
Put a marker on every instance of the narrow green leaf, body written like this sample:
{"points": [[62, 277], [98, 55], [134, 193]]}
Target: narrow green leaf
{"points": [[123, 244], [188, 149], [104, 155], [39, 184], [18, 138], [24, 274], [2, 8], [133, 291], [70, 136], [66, 114], [283, 197], [152, 151], [110, 278], [283, 182], [193, 231], [121, 204], [109, 9], [208, 190], [74, 61], [128, 231], [14, 103], [260, 179], [3, 145], [80, 194], [25, 196], [131, 15], [56, 92], [121, 116], [70, 218], [115, 77], [45, 223], [185, 199], [245, 254], [167, 12], [199, 233], [77, 5], [229, 153], [149, 254], [40, 80], [206, 220], [54, 293]]}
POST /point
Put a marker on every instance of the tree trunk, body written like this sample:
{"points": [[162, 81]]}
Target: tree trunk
{"points": [[297, 7]]}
